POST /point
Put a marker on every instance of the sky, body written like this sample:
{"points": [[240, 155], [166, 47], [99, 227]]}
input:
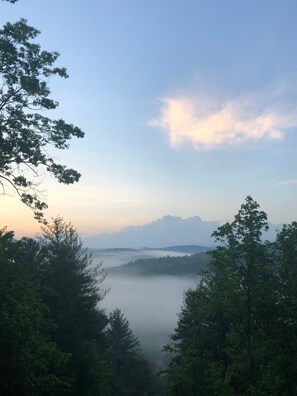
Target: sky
{"points": [[188, 106]]}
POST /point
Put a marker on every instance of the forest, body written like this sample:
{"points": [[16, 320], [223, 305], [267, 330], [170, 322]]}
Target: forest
{"points": [[236, 333], [55, 339], [175, 266]]}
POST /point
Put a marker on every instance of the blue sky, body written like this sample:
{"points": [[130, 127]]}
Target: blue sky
{"points": [[188, 106]]}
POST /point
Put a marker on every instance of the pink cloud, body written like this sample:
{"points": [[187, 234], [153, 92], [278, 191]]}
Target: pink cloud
{"points": [[186, 120]]}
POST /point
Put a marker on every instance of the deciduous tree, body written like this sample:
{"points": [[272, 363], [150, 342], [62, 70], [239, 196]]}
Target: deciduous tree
{"points": [[226, 332], [27, 135]]}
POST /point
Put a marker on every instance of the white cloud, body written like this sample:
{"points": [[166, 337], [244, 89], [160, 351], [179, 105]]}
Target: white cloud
{"points": [[207, 124], [291, 182]]}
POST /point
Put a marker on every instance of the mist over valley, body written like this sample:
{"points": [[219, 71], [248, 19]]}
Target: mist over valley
{"points": [[150, 302], [148, 284]]}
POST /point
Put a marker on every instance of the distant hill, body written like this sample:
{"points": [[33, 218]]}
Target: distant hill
{"points": [[167, 231], [112, 250], [189, 249], [173, 266]]}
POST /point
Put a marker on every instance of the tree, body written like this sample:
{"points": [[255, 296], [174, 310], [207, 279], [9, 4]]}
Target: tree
{"points": [[187, 369], [71, 288], [246, 254], [26, 135], [30, 363], [226, 331], [130, 372], [283, 366]]}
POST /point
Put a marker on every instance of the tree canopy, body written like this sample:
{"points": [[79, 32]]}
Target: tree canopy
{"points": [[55, 339], [236, 333], [30, 363], [26, 134]]}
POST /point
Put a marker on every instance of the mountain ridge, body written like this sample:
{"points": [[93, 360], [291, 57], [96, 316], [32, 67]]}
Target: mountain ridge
{"points": [[166, 231]]}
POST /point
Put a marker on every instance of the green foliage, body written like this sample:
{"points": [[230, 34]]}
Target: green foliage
{"points": [[236, 333], [30, 364], [25, 132], [71, 288], [175, 266], [130, 372], [285, 330], [51, 328]]}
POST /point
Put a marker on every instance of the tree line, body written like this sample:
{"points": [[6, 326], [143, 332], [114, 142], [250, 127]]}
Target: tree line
{"points": [[163, 266], [54, 337], [236, 332]]}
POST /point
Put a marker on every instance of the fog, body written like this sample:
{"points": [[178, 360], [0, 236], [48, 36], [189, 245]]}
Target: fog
{"points": [[112, 258], [151, 306]]}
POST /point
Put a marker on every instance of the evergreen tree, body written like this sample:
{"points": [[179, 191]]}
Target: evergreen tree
{"points": [[71, 288], [30, 363], [130, 372]]}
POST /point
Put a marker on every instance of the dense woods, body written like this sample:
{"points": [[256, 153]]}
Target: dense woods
{"points": [[236, 333], [174, 266], [54, 338]]}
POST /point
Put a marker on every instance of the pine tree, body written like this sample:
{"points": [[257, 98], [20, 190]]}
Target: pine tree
{"points": [[72, 290], [131, 374], [30, 363]]}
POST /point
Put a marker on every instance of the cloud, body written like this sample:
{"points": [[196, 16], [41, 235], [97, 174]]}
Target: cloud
{"points": [[291, 182], [208, 124]]}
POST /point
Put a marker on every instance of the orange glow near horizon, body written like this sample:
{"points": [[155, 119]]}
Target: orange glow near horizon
{"points": [[16, 217]]}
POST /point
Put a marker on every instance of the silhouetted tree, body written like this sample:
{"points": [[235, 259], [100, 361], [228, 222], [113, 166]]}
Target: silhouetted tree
{"points": [[25, 132]]}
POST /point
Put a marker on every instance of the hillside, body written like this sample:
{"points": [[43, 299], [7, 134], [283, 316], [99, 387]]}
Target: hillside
{"points": [[173, 266], [188, 249]]}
